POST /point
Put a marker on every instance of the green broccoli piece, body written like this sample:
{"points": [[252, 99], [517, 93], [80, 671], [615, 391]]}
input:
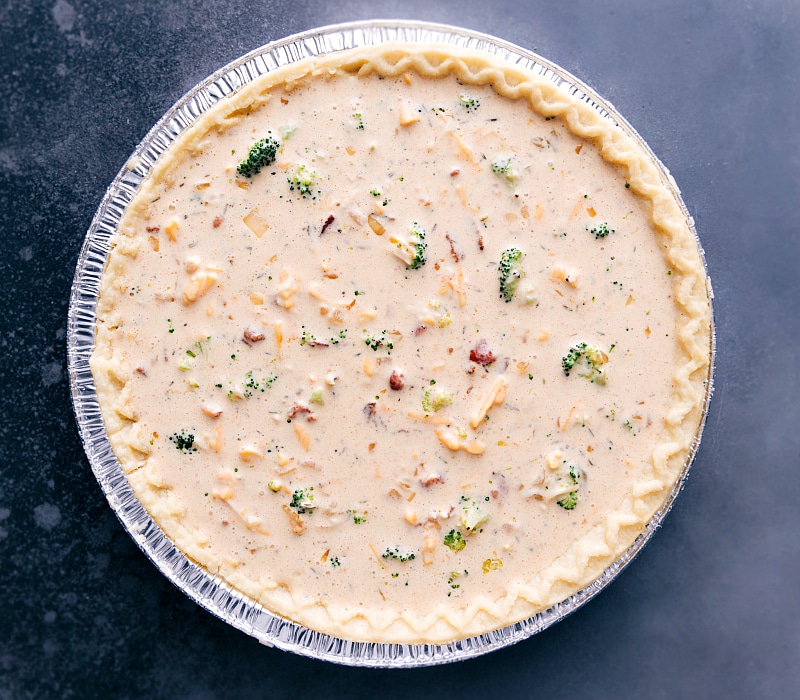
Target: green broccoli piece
{"points": [[510, 271], [183, 442], [262, 154], [418, 246], [575, 353], [470, 103], [302, 179], [455, 540], [435, 400], [502, 167], [303, 500], [397, 554], [588, 356], [570, 500], [601, 231]]}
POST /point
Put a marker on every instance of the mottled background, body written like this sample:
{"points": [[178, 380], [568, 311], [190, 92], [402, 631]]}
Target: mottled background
{"points": [[711, 608]]}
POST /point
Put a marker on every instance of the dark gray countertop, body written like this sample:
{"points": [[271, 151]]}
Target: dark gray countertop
{"points": [[710, 608]]}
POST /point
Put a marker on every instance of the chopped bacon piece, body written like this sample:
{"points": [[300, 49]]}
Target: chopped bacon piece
{"points": [[218, 219], [482, 354], [299, 409], [453, 250], [250, 337], [396, 380], [420, 329], [141, 370], [153, 229], [327, 223], [431, 479]]}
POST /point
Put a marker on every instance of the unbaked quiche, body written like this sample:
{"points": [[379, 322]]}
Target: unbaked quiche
{"points": [[403, 343]]}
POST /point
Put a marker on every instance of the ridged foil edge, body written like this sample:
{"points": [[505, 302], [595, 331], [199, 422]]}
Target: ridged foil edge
{"points": [[210, 592]]}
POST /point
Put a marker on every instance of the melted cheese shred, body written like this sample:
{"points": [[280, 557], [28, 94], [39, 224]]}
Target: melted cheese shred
{"points": [[319, 386]]}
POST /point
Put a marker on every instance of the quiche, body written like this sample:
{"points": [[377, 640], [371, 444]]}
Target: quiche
{"points": [[404, 343]]}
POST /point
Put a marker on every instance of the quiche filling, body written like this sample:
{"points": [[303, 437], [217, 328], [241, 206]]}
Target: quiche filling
{"points": [[403, 344]]}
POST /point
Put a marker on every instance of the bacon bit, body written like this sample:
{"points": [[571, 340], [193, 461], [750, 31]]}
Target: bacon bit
{"points": [[250, 337], [480, 241], [481, 354], [284, 101], [453, 251], [327, 223], [396, 380], [420, 329], [153, 229], [454, 173], [299, 409], [431, 479], [141, 370], [218, 219]]}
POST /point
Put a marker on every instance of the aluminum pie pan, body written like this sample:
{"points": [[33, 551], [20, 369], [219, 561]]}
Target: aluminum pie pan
{"points": [[209, 591]]}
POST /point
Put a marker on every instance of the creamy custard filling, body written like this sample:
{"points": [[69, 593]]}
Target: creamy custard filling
{"points": [[429, 370]]}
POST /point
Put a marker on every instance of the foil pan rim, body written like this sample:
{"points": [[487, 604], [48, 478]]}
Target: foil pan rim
{"points": [[208, 591]]}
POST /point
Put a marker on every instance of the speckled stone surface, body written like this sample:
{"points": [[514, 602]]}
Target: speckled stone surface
{"points": [[710, 608]]}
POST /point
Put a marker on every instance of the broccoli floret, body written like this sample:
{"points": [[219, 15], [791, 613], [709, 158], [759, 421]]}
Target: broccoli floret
{"points": [[590, 357], [501, 166], [510, 272], [183, 442], [411, 251], [303, 500], [419, 245], [262, 154], [570, 500], [601, 231], [470, 103], [473, 517], [435, 400], [397, 554], [375, 342], [455, 540], [302, 179], [574, 354]]}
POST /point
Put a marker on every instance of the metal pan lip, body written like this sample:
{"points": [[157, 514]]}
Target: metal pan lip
{"points": [[210, 592]]}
